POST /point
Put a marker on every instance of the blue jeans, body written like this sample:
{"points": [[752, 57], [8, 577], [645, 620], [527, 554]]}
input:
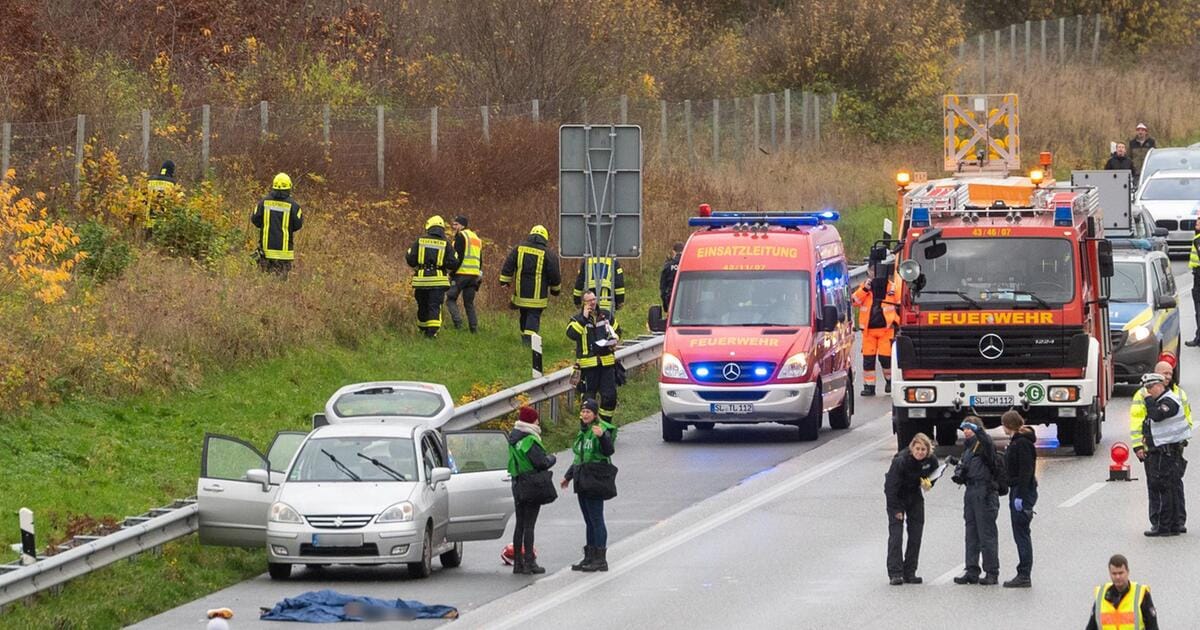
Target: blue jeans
{"points": [[593, 517]]}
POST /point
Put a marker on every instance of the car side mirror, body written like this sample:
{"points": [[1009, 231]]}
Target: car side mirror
{"points": [[935, 250], [260, 476], [656, 319], [1105, 259], [1161, 232], [439, 475], [829, 318], [1164, 302], [319, 420]]}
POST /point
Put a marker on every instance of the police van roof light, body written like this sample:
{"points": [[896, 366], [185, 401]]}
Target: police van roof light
{"points": [[1063, 216], [920, 217]]}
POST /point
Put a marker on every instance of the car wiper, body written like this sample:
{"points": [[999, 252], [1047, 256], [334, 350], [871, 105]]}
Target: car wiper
{"points": [[340, 466], [384, 467], [966, 298], [1031, 294]]}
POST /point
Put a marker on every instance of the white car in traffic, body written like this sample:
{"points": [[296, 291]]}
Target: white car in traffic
{"points": [[1173, 198]]}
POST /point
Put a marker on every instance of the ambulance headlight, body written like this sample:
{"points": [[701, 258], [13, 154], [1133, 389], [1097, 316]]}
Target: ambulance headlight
{"points": [[671, 367], [795, 367], [1138, 333]]}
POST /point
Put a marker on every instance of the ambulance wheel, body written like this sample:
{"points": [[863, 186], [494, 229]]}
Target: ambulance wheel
{"points": [[1086, 431], [947, 433], [840, 416], [671, 431], [810, 425]]}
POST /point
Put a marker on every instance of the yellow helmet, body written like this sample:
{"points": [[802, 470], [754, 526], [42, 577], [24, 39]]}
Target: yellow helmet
{"points": [[540, 230], [281, 182], [435, 221]]}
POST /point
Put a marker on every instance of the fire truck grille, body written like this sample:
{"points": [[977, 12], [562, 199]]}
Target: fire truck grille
{"points": [[1015, 347]]}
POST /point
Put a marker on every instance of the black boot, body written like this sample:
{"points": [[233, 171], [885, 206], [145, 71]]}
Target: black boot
{"points": [[599, 560], [868, 390], [519, 563], [887, 387], [1021, 581], [1193, 343], [588, 553], [531, 565]]}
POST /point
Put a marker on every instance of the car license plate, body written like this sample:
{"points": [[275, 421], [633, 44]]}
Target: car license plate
{"points": [[738, 408], [991, 401], [337, 540]]}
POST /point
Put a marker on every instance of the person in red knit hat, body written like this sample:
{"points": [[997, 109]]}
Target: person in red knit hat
{"points": [[526, 455]]}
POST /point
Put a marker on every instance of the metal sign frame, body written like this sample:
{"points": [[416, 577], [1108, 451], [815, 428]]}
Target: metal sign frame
{"points": [[977, 114], [600, 191]]}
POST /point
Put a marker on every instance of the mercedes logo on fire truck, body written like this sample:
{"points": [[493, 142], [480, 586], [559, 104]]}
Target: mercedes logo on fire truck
{"points": [[731, 372], [991, 346]]}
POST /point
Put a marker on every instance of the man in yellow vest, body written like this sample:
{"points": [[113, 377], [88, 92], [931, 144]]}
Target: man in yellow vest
{"points": [[469, 249], [533, 271], [278, 217], [432, 260], [1137, 420], [1121, 604], [1194, 266], [158, 187], [607, 273]]}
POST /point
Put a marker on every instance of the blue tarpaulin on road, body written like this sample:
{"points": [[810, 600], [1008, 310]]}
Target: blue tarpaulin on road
{"points": [[329, 606]]}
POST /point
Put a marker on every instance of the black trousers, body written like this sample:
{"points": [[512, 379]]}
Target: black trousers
{"points": [[981, 506], [467, 286], [429, 309], [280, 268], [1196, 299], [905, 564], [1022, 536], [600, 384], [1164, 476], [531, 323], [527, 515]]}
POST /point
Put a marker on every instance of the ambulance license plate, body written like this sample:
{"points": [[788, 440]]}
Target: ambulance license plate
{"points": [[337, 540], [737, 408], [991, 401]]}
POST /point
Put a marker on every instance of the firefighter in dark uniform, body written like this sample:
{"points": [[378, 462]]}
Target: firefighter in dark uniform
{"points": [[433, 260], [597, 363], [278, 217], [160, 186], [605, 272], [534, 274], [1165, 433], [1194, 266], [469, 249], [666, 279]]}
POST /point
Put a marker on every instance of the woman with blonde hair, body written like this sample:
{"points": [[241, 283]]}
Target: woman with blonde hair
{"points": [[903, 486]]}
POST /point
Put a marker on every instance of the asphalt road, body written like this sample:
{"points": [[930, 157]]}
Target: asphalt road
{"points": [[737, 528]]}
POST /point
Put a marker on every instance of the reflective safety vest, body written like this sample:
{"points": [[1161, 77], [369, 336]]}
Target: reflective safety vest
{"points": [[533, 273], [518, 455], [585, 332], [1137, 414], [863, 299], [472, 261], [277, 227], [1193, 255], [431, 263], [1173, 430], [611, 279], [1127, 614], [587, 445], [157, 189]]}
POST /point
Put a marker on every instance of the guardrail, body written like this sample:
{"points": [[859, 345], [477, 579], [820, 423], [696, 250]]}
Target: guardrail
{"points": [[147, 532]]}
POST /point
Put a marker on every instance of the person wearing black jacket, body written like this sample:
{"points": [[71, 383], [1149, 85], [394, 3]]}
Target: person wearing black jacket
{"points": [[1021, 460], [526, 455], [981, 504], [1120, 161], [903, 485], [666, 279]]}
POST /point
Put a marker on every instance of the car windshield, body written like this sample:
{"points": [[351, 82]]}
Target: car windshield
{"points": [[1170, 159], [1128, 282], [1171, 189], [742, 298], [998, 272], [349, 459], [388, 401]]}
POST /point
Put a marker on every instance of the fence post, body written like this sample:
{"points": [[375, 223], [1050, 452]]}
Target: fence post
{"points": [[433, 131], [326, 126], [5, 150], [687, 125], [716, 131], [1062, 39], [662, 131], [145, 141], [624, 109], [771, 112], [757, 98], [263, 118], [1012, 45], [1042, 50], [28, 542], [737, 127], [205, 138], [1078, 34], [1096, 41], [487, 133], [817, 119], [80, 126], [996, 55], [379, 143], [1028, 28], [585, 112], [982, 63], [787, 119], [962, 64], [537, 113], [805, 99]]}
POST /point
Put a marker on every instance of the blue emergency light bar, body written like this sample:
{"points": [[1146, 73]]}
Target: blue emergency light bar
{"points": [[1063, 217], [790, 219], [919, 218]]}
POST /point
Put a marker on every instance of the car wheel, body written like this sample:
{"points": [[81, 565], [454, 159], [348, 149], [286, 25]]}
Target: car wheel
{"points": [[452, 559], [422, 569], [840, 416], [705, 426], [279, 570], [671, 431], [810, 424]]}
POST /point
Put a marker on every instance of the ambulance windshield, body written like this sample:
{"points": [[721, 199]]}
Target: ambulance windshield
{"points": [[998, 273], [742, 298]]}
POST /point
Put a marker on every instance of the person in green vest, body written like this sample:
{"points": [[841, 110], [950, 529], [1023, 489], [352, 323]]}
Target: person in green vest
{"points": [[526, 455], [595, 443], [469, 276]]}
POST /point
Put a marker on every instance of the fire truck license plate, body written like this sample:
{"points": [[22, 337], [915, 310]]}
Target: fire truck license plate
{"points": [[991, 401], [732, 408]]}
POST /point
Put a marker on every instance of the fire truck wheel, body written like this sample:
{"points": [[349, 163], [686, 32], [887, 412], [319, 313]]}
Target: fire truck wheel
{"points": [[840, 416], [904, 429], [1086, 431], [810, 425], [1066, 432], [947, 433], [671, 431]]}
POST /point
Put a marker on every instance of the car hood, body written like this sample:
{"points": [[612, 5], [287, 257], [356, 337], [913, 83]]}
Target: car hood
{"points": [[1171, 209], [1125, 315], [737, 343], [349, 497]]}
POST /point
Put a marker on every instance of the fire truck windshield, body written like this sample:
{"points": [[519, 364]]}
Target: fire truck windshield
{"points": [[999, 272], [742, 298]]}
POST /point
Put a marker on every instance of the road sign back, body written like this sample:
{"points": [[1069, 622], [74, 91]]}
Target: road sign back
{"points": [[600, 190]]}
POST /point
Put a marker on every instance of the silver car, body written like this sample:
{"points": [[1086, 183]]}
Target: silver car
{"points": [[378, 490], [1173, 198]]}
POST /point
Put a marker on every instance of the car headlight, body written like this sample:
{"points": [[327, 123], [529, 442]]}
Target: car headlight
{"points": [[1138, 333], [795, 367], [671, 367], [283, 513], [402, 512]]}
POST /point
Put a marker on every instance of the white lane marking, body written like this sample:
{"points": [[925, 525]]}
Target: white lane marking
{"points": [[949, 575], [1083, 494], [745, 505]]}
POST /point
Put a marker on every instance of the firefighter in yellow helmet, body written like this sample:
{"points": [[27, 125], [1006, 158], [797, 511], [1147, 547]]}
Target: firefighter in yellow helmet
{"points": [[469, 249], [533, 271], [433, 260], [278, 217], [158, 187]]}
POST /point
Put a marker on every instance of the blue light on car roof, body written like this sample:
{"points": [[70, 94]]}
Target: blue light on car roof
{"points": [[788, 219]]}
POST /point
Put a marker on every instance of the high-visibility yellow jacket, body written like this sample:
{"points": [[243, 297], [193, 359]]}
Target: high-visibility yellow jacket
{"points": [[278, 218], [1127, 614], [585, 332], [433, 260], [469, 249], [1137, 414], [533, 273], [611, 279], [864, 300]]}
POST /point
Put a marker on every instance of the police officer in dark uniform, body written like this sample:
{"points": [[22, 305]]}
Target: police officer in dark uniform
{"points": [[533, 271], [981, 504], [278, 218], [433, 260], [596, 337], [666, 279], [605, 272], [1165, 433]]}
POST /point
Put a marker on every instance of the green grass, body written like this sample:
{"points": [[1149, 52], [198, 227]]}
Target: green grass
{"points": [[109, 459]]}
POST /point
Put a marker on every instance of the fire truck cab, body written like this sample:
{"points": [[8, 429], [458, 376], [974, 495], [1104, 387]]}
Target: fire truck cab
{"points": [[759, 327]]}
